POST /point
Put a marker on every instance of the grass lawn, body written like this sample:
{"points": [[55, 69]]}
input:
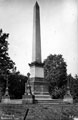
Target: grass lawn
{"points": [[40, 111]]}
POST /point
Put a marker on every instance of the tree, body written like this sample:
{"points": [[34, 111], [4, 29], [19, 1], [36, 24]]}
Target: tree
{"points": [[6, 64], [17, 85], [73, 86], [55, 72]]}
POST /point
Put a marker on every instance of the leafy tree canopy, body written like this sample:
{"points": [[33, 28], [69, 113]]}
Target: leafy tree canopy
{"points": [[55, 72], [17, 85], [6, 64], [73, 83]]}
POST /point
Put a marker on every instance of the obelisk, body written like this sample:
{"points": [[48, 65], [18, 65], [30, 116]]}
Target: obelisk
{"points": [[39, 86], [36, 47]]}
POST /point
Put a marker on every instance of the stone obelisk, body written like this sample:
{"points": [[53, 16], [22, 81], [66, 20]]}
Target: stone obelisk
{"points": [[39, 86], [36, 47]]}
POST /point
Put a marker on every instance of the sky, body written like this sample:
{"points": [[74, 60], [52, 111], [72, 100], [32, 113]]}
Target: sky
{"points": [[59, 30]]}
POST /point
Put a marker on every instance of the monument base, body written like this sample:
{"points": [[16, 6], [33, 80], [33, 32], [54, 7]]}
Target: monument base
{"points": [[28, 99], [5, 98], [44, 98], [68, 98]]}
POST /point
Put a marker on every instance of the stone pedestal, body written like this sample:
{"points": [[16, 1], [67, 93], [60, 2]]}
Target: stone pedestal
{"points": [[68, 97], [39, 86], [28, 97], [6, 97]]}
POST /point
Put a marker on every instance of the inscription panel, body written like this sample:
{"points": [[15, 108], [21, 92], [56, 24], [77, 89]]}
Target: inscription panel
{"points": [[37, 72]]}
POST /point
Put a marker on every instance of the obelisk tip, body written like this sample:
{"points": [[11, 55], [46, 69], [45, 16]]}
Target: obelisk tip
{"points": [[36, 4]]}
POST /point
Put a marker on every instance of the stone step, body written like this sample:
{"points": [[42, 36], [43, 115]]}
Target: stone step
{"points": [[50, 101]]}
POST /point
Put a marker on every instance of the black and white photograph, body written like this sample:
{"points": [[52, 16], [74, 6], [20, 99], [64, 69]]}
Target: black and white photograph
{"points": [[38, 59]]}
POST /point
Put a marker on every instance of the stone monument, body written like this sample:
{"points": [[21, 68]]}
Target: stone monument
{"points": [[28, 97], [68, 97], [39, 86], [6, 97]]}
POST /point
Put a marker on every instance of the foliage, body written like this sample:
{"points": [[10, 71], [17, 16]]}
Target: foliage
{"points": [[17, 85], [6, 64], [73, 85], [16, 81], [55, 73]]}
